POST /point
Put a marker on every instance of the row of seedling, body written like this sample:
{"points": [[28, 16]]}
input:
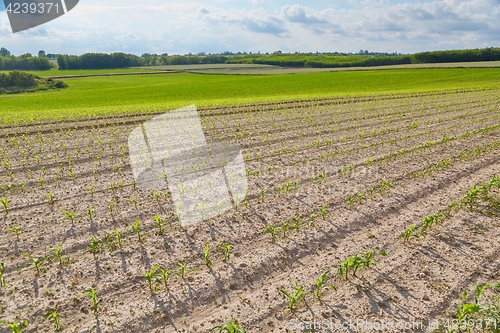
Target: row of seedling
{"points": [[293, 223], [346, 267], [360, 196], [470, 200]]}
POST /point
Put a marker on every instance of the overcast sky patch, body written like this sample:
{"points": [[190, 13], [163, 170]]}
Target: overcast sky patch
{"points": [[216, 26]]}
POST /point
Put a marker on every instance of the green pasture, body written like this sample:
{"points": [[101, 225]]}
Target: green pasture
{"points": [[57, 72], [89, 96]]}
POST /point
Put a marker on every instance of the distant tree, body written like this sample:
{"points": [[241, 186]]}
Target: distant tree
{"points": [[61, 62], [4, 52], [41, 53]]}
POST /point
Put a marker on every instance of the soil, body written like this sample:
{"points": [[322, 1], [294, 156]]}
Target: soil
{"points": [[329, 150]]}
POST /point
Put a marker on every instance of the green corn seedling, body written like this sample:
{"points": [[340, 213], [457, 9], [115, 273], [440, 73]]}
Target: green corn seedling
{"points": [[320, 284], [261, 196], [224, 248], [360, 260], [54, 315], [94, 298], [118, 237], [428, 221], [206, 254], [41, 182], [110, 206], [159, 223], [360, 195], [108, 240], [295, 296], [134, 202], [471, 197], [271, 230], [323, 211], [50, 198], [151, 276], [451, 207], [351, 199], [297, 220], [70, 216], [165, 275], [312, 216], [16, 230], [229, 327], [90, 212], [287, 226], [182, 270], [385, 186], [156, 196], [408, 234], [467, 312], [2, 279], [36, 263], [178, 210], [94, 245], [15, 327], [5, 204], [63, 259], [137, 231], [91, 189]]}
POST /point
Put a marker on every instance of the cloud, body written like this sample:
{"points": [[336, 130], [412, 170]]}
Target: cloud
{"points": [[270, 25], [298, 14], [238, 25], [128, 36], [259, 21], [203, 11]]}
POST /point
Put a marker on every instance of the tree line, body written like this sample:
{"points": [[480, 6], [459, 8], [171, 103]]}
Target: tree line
{"points": [[24, 62], [117, 60], [120, 60], [335, 59]]}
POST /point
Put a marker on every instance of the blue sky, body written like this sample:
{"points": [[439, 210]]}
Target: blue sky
{"points": [[262, 25]]}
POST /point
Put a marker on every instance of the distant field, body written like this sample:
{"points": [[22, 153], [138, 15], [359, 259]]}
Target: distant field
{"points": [[252, 69], [57, 72], [255, 69], [208, 66], [121, 94]]}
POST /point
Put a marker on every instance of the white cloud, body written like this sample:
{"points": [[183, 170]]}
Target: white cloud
{"points": [[237, 25]]}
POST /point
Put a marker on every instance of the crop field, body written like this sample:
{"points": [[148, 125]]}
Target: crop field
{"points": [[379, 207], [257, 69], [56, 72], [98, 96]]}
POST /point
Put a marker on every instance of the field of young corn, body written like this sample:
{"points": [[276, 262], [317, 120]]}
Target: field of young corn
{"points": [[376, 208]]}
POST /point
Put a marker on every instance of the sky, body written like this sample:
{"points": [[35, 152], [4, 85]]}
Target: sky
{"points": [[215, 26]]}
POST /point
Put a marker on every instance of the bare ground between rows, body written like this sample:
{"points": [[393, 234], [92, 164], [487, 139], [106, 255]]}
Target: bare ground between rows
{"points": [[141, 261], [257, 315]]}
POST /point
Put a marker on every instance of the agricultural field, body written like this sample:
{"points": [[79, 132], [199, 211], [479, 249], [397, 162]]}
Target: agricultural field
{"points": [[381, 207], [99, 96], [256, 69]]}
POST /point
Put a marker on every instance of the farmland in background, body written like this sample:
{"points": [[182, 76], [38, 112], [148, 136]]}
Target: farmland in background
{"points": [[392, 172], [92, 96]]}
